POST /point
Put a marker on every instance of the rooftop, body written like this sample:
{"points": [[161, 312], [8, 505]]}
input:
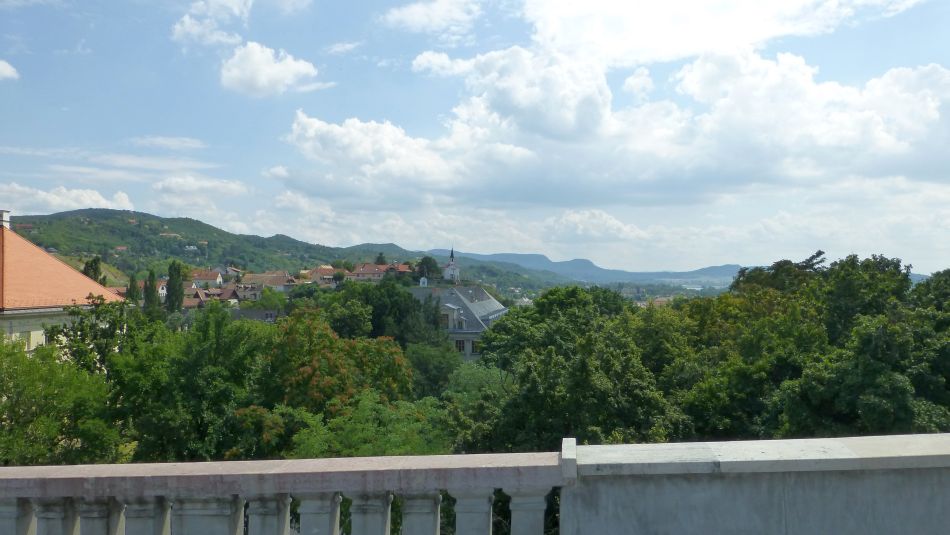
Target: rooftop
{"points": [[31, 278]]}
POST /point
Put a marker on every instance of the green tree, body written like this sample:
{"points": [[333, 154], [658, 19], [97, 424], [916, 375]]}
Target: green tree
{"points": [[381, 259], [432, 366], [92, 334], [133, 293], [270, 299], [428, 267], [52, 411], [350, 319], [175, 287], [372, 426], [152, 302], [93, 269]]}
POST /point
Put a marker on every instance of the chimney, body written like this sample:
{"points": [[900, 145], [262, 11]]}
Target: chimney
{"points": [[5, 218]]}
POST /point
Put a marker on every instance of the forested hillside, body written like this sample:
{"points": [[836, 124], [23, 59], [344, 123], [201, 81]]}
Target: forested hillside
{"points": [[136, 242]]}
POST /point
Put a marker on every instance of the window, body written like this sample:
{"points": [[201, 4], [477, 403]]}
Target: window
{"points": [[444, 321], [476, 347], [460, 345]]}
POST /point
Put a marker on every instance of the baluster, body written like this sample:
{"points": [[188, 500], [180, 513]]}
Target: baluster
{"points": [[92, 515], [147, 516], [269, 515], [49, 514], [420, 514], [473, 511], [208, 516], [527, 511], [369, 514], [9, 512], [319, 513]]}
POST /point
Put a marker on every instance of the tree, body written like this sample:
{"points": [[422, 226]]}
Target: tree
{"points": [[432, 366], [92, 334], [339, 276], [93, 270], [52, 411], [350, 319], [315, 369], [175, 295], [372, 426], [381, 259], [133, 293], [428, 267], [152, 303], [270, 299]]}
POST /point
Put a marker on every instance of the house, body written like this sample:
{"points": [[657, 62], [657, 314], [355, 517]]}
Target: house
{"points": [[206, 277], [161, 285], [375, 272], [323, 275], [465, 313], [280, 281], [121, 248], [368, 272], [36, 288]]}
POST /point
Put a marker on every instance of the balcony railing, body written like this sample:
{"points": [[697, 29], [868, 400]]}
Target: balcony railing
{"points": [[893, 484]]}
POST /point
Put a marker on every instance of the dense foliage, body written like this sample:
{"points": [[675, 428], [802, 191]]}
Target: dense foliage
{"points": [[795, 349]]}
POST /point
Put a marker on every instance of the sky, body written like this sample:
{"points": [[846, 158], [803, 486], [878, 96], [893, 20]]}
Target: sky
{"points": [[641, 135]]}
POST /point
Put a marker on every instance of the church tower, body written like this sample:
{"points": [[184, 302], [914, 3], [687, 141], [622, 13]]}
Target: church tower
{"points": [[451, 271]]}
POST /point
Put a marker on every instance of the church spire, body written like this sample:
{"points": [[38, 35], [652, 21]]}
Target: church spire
{"points": [[452, 254]]}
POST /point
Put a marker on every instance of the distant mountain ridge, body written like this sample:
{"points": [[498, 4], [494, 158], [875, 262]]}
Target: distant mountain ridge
{"points": [[137, 241], [583, 270]]}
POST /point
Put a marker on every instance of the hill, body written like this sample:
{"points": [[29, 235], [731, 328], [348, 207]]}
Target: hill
{"points": [[583, 270], [136, 241]]}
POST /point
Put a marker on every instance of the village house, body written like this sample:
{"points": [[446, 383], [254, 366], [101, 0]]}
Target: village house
{"points": [[323, 275], [161, 285], [375, 272], [201, 278], [36, 288], [465, 312], [280, 281]]}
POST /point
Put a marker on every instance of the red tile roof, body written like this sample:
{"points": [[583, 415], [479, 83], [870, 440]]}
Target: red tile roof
{"points": [[31, 278]]}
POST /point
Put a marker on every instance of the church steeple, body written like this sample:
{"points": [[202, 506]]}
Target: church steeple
{"points": [[452, 254]]}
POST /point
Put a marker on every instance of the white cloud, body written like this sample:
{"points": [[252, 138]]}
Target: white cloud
{"points": [[202, 23], [151, 163], [639, 84], [343, 47], [170, 143], [629, 33], [368, 157], [259, 71], [277, 171], [185, 185], [204, 31], [90, 174], [7, 72], [449, 20], [552, 96], [24, 199]]}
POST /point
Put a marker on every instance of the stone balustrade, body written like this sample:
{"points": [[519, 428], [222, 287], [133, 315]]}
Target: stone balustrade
{"points": [[219, 498], [868, 485]]}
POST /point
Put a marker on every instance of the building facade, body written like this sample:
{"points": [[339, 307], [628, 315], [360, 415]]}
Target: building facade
{"points": [[36, 288]]}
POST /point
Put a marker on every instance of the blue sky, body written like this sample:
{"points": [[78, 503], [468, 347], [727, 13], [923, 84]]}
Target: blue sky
{"points": [[641, 137]]}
